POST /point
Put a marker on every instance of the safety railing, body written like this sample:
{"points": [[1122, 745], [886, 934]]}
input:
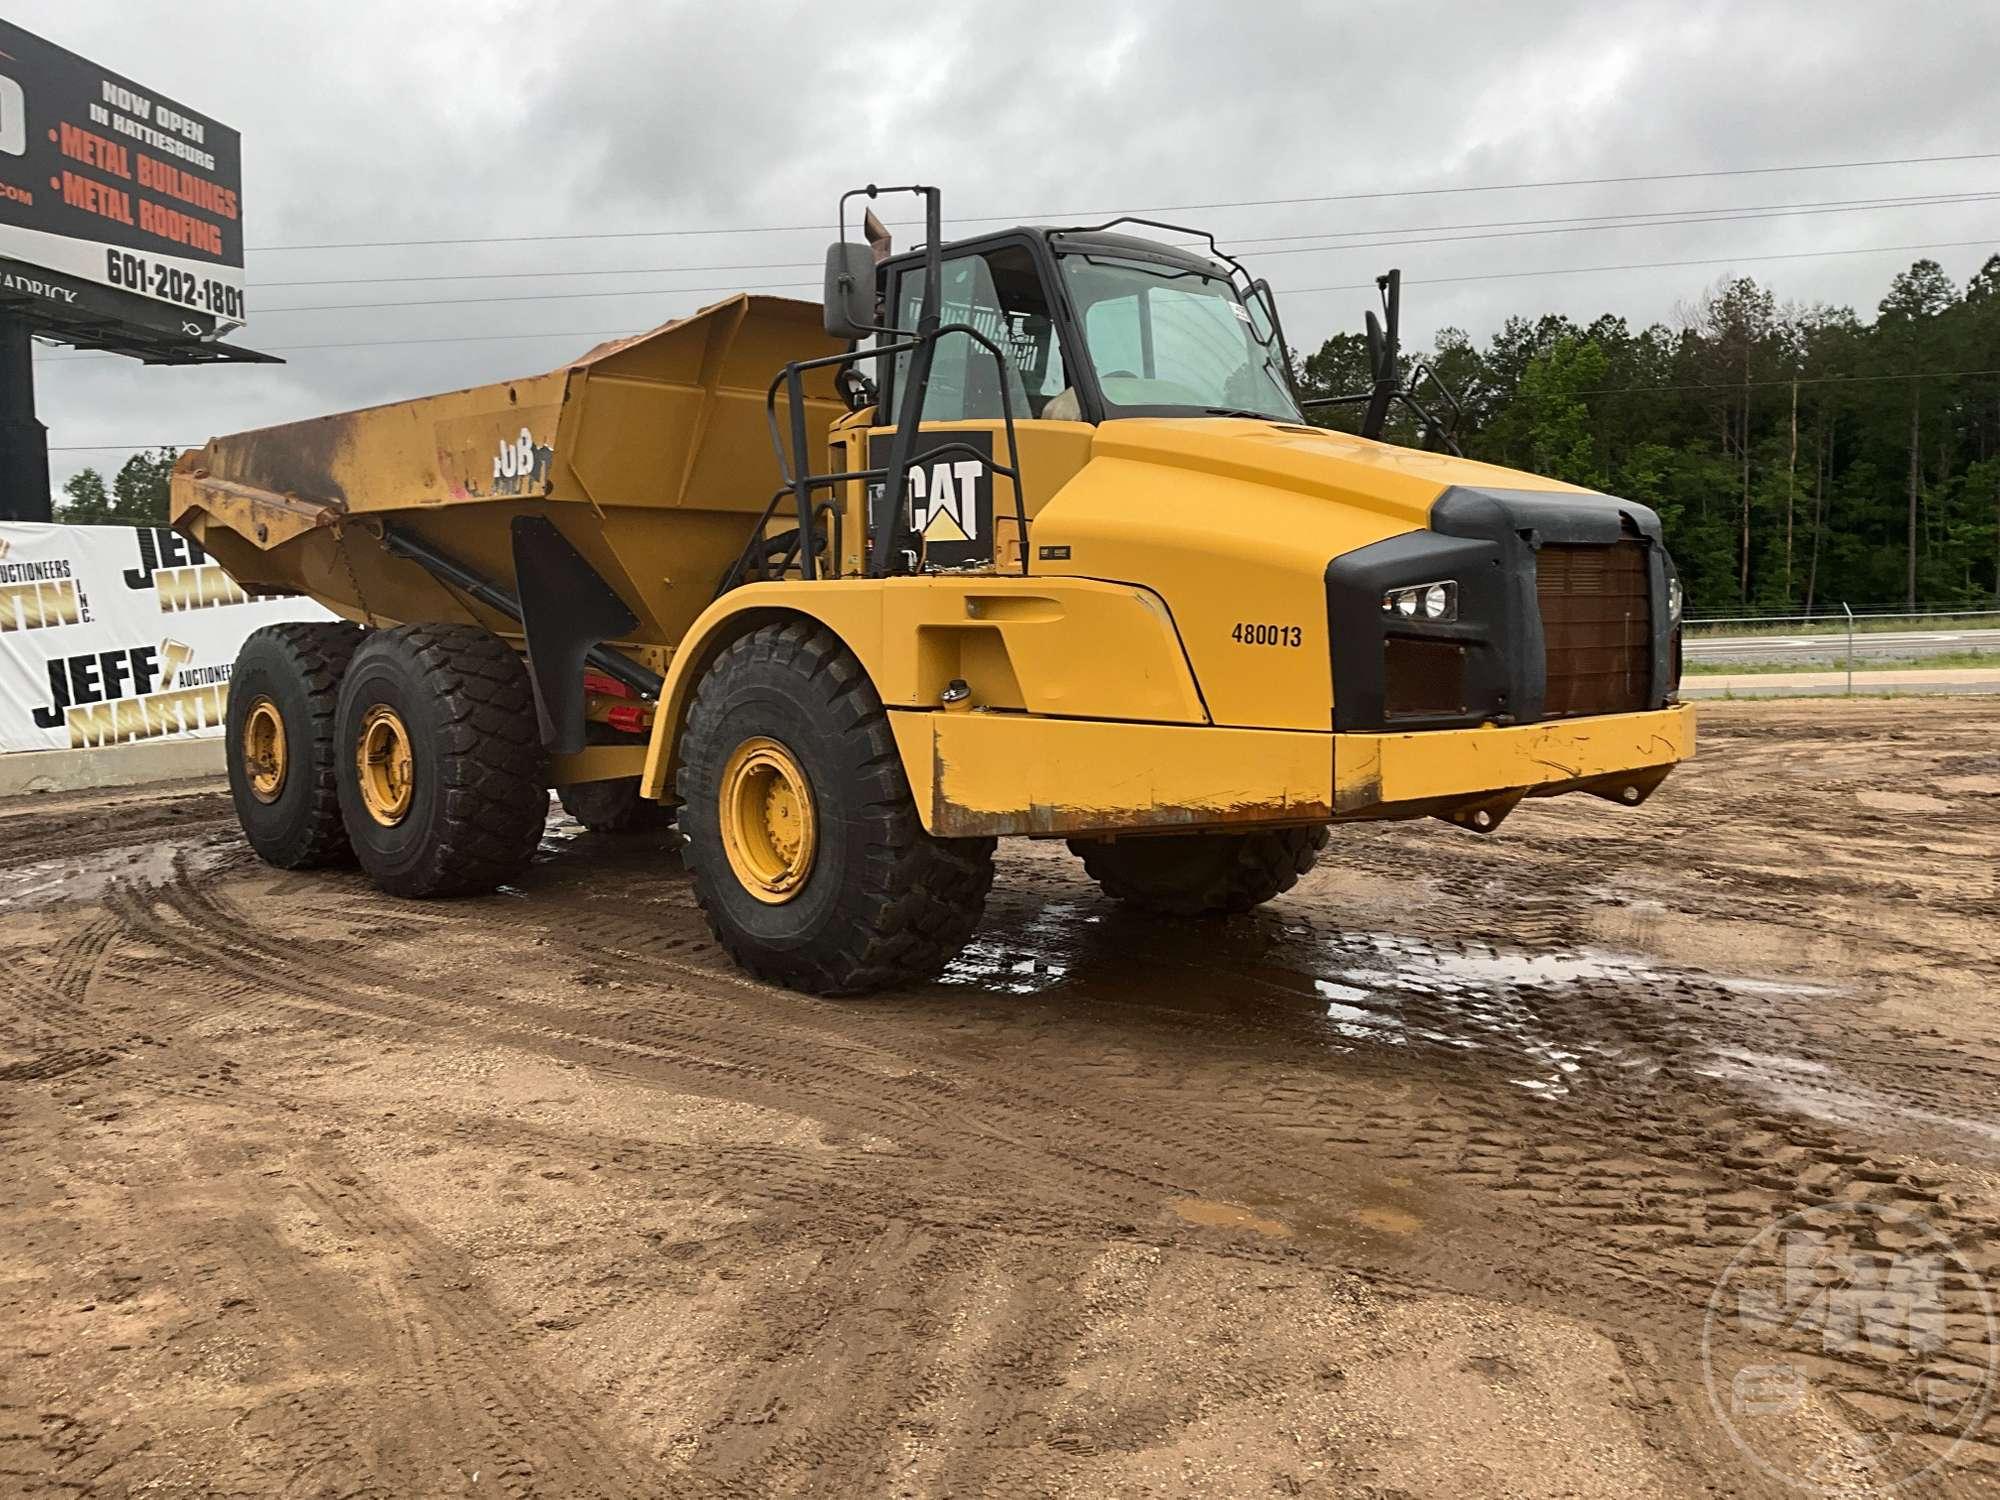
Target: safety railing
{"points": [[796, 471]]}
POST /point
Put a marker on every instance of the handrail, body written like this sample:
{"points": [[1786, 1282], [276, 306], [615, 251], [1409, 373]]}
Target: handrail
{"points": [[794, 470]]}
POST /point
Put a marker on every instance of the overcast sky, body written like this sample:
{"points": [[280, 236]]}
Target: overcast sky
{"points": [[371, 121]]}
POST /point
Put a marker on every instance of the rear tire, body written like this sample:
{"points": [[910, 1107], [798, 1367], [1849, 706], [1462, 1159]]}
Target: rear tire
{"points": [[1201, 874], [612, 807], [833, 887], [284, 687], [443, 781]]}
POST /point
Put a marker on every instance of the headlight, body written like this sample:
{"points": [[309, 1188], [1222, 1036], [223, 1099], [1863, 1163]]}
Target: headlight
{"points": [[1423, 601], [1674, 601]]}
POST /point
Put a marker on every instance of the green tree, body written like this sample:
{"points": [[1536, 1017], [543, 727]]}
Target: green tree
{"points": [[140, 490], [137, 496], [1797, 456], [86, 503], [1561, 442], [1911, 336]]}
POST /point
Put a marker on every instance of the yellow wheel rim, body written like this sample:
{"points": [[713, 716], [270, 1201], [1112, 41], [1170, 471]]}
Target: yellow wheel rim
{"points": [[382, 759], [768, 828], [263, 750]]}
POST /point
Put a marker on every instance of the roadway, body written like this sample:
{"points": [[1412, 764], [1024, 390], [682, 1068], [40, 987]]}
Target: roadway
{"points": [[1831, 648]]}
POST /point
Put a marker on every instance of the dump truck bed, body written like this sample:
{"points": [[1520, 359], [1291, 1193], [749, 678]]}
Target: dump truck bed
{"points": [[651, 455]]}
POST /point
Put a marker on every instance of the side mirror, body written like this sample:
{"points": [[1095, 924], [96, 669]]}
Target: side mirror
{"points": [[850, 291]]}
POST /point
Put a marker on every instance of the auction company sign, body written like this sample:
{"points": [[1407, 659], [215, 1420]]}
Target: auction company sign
{"points": [[111, 634], [114, 201]]}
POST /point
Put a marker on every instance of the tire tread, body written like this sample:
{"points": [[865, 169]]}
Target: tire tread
{"points": [[494, 797], [1202, 874], [917, 899], [316, 654]]}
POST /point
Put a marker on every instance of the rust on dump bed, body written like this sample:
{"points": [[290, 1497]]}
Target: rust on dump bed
{"points": [[648, 454]]}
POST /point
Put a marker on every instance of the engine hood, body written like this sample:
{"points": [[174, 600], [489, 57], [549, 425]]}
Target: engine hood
{"points": [[1232, 522], [1398, 484]]}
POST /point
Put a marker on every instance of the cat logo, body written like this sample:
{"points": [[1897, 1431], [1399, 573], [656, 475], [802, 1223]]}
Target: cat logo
{"points": [[5, 547], [950, 496], [944, 499]]}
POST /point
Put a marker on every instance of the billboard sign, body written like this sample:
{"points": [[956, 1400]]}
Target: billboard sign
{"points": [[110, 634], [118, 206]]}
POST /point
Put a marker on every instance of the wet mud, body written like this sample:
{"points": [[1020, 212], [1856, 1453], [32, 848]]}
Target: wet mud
{"points": [[1437, 1177]]}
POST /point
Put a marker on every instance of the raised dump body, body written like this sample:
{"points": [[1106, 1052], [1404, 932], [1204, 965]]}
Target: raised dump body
{"points": [[652, 457]]}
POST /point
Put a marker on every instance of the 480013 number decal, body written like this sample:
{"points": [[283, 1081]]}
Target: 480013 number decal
{"points": [[1268, 635]]}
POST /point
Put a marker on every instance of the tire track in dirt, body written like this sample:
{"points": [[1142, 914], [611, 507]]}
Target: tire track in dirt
{"points": [[1633, 1303], [1047, 1108], [1545, 1190], [513, 1412]]}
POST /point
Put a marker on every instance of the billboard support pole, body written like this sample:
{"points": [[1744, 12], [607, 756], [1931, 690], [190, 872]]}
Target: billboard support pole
{"points": [[24, 441]]}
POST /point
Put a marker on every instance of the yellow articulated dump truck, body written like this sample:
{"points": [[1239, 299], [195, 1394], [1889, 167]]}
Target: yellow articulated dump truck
{"points": [[1025, 535]]}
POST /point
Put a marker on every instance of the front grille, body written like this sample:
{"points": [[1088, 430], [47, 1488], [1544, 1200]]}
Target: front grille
{"points": [[1597, 626], [1426, 679]]}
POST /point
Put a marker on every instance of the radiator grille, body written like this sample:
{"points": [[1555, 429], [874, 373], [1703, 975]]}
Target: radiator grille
{"points": [[1426, 679], [1597, 625]]}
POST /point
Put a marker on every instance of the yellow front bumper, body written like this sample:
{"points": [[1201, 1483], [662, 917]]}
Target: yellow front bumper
{"points": [[978, 774], [1420, 770]]}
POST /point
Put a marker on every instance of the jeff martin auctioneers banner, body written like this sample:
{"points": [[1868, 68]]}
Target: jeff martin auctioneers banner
{"points": [[110, 634]]}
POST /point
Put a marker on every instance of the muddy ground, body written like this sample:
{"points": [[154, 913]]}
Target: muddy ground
{"points": [[1421, 1181]]}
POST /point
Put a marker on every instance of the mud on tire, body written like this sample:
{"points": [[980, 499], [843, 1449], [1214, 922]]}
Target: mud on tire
{"points": [[882, 903], [477, 788], [1201, 874], [297, 668]]}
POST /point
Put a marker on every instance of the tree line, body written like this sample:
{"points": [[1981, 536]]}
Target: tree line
{"points": [[1798, 456], [136, 496]]}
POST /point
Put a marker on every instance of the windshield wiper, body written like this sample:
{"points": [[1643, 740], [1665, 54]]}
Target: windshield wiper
{"points": [[1239, 411]]}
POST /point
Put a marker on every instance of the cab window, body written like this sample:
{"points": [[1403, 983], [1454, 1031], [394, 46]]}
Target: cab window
{"points": [[1000, 293], [1163, 338]]}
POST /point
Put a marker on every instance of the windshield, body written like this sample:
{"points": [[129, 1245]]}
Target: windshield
{"points": [[1168, 338]]}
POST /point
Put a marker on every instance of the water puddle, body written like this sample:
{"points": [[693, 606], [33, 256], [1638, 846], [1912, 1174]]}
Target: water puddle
{"points": [[1820, 1092], [1035, 959], [86, 877], [1389, 989], [560, 832], [1553, 1020]]}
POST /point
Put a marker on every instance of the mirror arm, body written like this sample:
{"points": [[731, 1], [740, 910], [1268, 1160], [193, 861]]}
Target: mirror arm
{"points": [[888, 519]]}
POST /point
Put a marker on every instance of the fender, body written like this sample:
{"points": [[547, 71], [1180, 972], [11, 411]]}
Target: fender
{"points": [[1060, 647]]}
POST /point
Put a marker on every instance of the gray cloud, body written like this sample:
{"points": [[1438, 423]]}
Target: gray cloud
{"points": [[379, 121]]}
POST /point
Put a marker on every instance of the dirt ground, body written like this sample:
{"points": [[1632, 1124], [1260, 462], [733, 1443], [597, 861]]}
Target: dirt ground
{"points": [[1421, 1181]]}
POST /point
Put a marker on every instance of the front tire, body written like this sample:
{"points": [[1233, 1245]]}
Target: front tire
{"points": [[1201, 874], [279, 740], [807, 853], [443, 781]]}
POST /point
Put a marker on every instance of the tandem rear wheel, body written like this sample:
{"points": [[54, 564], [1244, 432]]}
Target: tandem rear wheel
{"points": [[807, 853], [442, 777], [414, 751]]}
